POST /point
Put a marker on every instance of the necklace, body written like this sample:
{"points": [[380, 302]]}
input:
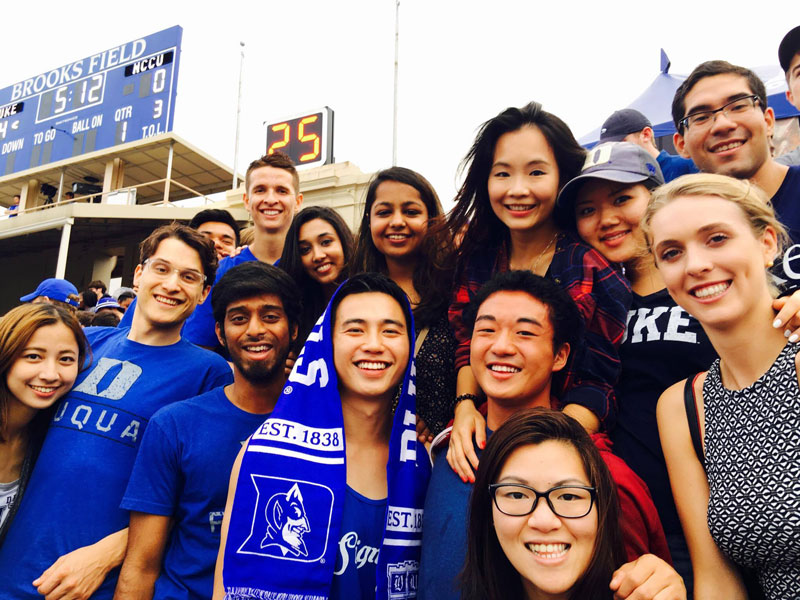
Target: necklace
{"points": [[543, 252]]}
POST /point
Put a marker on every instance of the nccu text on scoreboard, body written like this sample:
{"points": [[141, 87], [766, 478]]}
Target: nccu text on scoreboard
{"points": [[120, 95]]}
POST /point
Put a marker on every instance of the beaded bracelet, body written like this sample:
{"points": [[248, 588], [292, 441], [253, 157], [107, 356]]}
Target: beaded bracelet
{"points": [[473, 397]]}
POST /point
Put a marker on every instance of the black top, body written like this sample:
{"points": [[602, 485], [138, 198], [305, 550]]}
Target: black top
{"points": [[786, 203], [436, 375], [662, 345]]}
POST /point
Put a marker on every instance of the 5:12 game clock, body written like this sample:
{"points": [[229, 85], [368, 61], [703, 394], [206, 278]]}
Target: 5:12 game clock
{"points": [[120, 95]]}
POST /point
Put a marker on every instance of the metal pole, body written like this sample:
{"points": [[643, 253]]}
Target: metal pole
{"points": [[60, 185], [238, 115], [63, 249], [396, 61], [169, 172]]}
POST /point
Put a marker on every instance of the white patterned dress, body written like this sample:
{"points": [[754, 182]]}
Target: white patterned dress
{"points": [[752, 446]]}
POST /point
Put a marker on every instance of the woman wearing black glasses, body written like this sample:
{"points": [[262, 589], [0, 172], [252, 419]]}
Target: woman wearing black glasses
{"points": [[544, 520]]}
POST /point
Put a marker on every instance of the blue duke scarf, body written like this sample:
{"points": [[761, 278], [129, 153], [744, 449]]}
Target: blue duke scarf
{"points": [[287, 511]]}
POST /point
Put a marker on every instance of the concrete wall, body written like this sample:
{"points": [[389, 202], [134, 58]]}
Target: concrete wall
{"points": [[341, 186]]}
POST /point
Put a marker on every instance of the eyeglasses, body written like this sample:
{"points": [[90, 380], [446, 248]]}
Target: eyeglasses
{"points": [[567, 501], [704, 118], [162, 269]]}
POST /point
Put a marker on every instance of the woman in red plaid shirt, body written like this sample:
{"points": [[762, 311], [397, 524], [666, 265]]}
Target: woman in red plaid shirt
{"points": [[518, 163]]}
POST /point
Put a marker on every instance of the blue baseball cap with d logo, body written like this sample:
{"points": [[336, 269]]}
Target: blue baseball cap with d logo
{"points": [[622, 162]]}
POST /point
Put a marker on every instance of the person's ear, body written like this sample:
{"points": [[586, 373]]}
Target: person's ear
{"points": [[769, 117], [561, 357], [680, 145], [204, 294], [220, 334], [769, 243]]}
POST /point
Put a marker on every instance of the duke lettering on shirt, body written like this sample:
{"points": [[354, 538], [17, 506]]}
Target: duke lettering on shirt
{"points": [[661, 322], [110, 379]]}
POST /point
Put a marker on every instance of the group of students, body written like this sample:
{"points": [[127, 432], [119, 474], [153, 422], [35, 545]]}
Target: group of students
{"points": [[623, 396]]}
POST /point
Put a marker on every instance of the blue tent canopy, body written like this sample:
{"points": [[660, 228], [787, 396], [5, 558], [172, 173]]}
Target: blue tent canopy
{"points": [[656, 101]]}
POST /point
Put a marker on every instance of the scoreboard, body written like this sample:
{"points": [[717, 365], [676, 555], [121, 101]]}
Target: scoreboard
{"points": [[120, 95], [306, 138]]}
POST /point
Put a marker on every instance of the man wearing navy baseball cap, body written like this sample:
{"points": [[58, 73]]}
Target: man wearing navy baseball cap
{"points": [[789, 57], [629, 125], [54, 291]]}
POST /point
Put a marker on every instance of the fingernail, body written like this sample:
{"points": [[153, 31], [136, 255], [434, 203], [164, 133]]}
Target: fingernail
{"points": [[777, 323], [483, 445], [793, 338], [463, 480], [787, 333]]}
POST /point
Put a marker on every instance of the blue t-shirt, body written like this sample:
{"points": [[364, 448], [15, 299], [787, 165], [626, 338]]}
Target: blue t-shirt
{"points": [[127, 316], [73, 496], [199, 327], [673, 166], [360, 541], [182, 471], [444, 531]]}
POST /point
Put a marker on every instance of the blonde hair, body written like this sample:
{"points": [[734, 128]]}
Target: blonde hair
{"points": [[751, 199]]}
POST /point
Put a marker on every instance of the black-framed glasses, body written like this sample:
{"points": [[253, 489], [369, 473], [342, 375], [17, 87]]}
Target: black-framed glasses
{"points": [[704, 118], [567, 501], [162, 269]]}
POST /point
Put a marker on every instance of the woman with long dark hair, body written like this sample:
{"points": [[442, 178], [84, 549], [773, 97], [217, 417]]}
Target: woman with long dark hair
{"points": [[316, 254], [397, 238], [42, 348], [505, 210]]}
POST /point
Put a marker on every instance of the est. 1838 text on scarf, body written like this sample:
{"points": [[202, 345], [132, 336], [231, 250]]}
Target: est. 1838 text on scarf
{"points": [[287, 511]]}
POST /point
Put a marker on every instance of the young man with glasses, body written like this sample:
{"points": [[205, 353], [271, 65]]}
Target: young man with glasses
{"points": [[724, 125], [179, 483], [523, 327], [70, 533]]}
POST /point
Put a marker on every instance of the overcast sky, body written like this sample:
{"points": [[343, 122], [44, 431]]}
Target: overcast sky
{"points": [[461, 62]]}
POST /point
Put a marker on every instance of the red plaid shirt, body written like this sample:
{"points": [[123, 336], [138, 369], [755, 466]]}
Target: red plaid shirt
{"points": [[603, 297]]}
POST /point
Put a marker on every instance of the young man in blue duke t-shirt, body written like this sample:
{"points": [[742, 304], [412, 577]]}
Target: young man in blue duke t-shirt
{"points": [[272, 198], [179, 483], [70, 533]]}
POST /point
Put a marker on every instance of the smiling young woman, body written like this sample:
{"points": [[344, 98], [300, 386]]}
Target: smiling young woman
{"points": [[543, 515], [505, 211], [605, 204], [398, 236], [42, 348], [317, 255], [713, 237]]}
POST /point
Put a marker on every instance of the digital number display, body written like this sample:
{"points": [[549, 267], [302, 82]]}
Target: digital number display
{"points": [[307, 139], [120, 95]]}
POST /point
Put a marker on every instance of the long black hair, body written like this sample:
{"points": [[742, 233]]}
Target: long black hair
{"points": [[472, 215], [488, 574], [314, 298], [431, 279]]}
